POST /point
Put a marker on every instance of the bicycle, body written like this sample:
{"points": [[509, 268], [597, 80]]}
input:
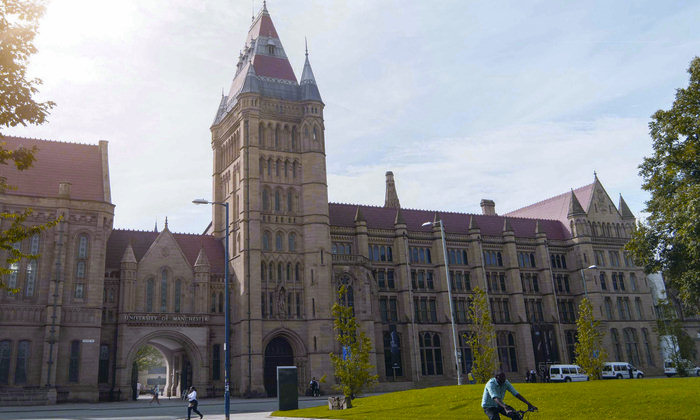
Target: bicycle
{"points": [[521, 414]]}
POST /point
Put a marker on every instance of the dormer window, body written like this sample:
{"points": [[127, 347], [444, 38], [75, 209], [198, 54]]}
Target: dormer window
{"points": [[271, 49]]}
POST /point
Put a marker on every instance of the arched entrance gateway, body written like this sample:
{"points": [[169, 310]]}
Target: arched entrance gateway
{"points": [[185, 365], [278, 352]]}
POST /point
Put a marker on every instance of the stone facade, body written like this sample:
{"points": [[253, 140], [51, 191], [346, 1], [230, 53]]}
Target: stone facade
{"points": [[97, 295]]}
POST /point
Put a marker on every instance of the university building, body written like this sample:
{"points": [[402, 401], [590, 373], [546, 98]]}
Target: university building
{"points": [[97, 294]]}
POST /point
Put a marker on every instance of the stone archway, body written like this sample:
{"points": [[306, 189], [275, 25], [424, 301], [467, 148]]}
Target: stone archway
{"points": [[185, 364], [282, 347], [278, 352]]}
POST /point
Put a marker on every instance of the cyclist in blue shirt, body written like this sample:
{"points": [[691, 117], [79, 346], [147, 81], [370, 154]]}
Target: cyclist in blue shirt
{"points": [[492, 401]]}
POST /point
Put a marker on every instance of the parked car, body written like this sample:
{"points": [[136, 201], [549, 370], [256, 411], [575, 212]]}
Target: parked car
{"points": [[621, 370], [567, 373], [670, 368]]}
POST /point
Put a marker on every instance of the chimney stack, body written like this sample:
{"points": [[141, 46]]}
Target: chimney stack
{"points": [[488, 207]]}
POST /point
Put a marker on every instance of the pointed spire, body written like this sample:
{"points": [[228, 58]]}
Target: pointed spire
{"points": [[166, 223], [625, 211], [359, 217], [309, 89], [155, 228], [391, 198], [399, 220], [575, 208], [128, 256], [436, 217], [538, 228], [506, 225], [202, 260], [264, 6], [472, 223], [251, 84]]}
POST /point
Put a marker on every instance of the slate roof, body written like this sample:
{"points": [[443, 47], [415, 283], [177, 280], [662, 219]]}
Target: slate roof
{"points": [[269, 74], [141, 241], [79, 164], [557, 207], [455, 223]]}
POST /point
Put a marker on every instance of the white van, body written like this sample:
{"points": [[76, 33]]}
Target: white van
{"points": [[621, 370], [670, 368], [567, 373]]}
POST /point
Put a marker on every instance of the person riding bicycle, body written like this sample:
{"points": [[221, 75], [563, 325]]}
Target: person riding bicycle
{"points": [[492, 401]]}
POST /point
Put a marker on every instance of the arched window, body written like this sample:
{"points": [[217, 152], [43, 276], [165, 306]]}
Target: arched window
{"points": [[277, 201], [30, 279], [647, 347], [616, 343], [178, 294], [631, 345], [466, 350], [263, 272], [294, 170], [506, 351], [289, 272], [5, 354], [164, 291], [292, 242], [315, 137], [392, 354], [81, 266], [272, 272], [277, 138], [294, 139], [279, 272], [278, 167], [269, 167], [297, 273], [149, 295], [262, 167], [289, 200], [430, 353], [261, 135], [286, 169], [212, 307], [266, 241], [265, 200], [221, 302], [348, 298], [278, 241], [306, 133]]}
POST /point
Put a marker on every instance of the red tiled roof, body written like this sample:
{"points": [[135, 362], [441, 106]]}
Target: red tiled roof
{"points": [[79, 164], [141, 241], [264, 27], [455, 223], [557, 207], [275, 67]]}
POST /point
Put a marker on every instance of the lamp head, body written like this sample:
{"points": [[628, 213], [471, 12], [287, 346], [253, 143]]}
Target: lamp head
{"points": [[427, 224], [200, 201], [593, 267]]}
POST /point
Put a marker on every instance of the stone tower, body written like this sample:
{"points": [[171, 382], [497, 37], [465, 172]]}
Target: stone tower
{"points": [[270, 167]]}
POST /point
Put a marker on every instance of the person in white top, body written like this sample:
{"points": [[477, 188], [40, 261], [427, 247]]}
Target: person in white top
{"points": [[192, 406]]}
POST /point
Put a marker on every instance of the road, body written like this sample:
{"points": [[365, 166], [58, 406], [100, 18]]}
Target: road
{"points": [[212, 409]]}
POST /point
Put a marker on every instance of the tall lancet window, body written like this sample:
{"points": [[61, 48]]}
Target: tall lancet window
{"points": [[164, 291], [178, 292], [149, 295]]}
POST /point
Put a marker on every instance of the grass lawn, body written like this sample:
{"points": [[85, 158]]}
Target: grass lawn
{"points": [[664, 398]]}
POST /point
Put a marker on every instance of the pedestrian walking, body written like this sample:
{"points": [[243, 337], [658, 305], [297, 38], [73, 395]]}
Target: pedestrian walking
{"points": [[192, 405], [156, 391]]}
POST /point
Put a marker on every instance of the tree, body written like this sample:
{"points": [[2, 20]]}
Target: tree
{"points": [[19, 22], [589, 351], [679, 345], [148, 357], [352, 367], [482, 337], [669, 240]]}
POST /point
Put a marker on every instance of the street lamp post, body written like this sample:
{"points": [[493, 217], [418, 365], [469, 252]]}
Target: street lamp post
{"points": [[227, 350], [449, 296], [583, 278]]}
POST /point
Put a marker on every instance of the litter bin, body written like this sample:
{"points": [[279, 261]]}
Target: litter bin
{"points": [[287, 389]]}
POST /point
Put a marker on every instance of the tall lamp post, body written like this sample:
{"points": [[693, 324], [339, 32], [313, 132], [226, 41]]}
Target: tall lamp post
{"points": [[449, 296], [227, 350], [583, 278]]}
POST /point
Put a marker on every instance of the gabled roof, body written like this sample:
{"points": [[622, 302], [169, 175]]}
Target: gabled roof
{"points": [[56, 162], [141, 241], [456, 223], [557, 207]]}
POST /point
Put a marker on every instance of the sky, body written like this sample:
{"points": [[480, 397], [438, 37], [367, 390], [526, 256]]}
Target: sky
{"points": [[514, 101]]}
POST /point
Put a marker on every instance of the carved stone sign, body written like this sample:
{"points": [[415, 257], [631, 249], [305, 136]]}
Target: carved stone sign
{"points": [[161, 319]]}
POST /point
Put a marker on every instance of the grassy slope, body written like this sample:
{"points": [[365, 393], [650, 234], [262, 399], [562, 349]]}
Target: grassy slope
{"points": [[676, 398]]}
